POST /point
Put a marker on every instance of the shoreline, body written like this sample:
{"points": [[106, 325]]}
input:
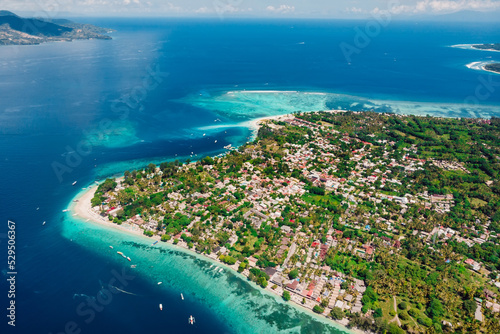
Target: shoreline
{"points": [[471, 47], [481, 66], [82, 211], [486, 70]]}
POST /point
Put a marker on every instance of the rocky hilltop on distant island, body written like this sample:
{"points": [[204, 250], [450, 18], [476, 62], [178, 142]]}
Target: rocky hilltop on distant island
{"points": [[15, 30]]}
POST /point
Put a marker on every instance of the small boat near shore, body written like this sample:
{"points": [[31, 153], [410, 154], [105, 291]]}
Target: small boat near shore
{"points": [[159, 283], [111, 247], [65, 210], [74, 183], [133, 266], [182, 296], [154, 243], [128, 258]]}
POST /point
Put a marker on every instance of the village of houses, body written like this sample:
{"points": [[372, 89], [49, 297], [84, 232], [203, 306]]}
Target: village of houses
{"points": [[317, 283]]}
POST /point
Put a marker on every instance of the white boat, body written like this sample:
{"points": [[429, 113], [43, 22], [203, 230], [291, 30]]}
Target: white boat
{"points": [[211, 266], [216, 141], [191, 320], [159, 283], [65, 210], [221, 269], [111, 247], [204, 135], [73, 183], [182, 296], [38, 208], [133, 266], [161, 307], [43, 223], [128, 258]]}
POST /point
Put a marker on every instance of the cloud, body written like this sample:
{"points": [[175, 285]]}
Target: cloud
{"points": [[354, 10], [442, 6], [203, 10], [281, 9], [128, 2]]}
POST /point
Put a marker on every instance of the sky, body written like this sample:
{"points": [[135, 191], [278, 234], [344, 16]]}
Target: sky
{"points": [[252, 8]]}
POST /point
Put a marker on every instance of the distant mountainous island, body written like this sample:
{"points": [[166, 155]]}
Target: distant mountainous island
{"points": [[15, 30], [491, 47]]}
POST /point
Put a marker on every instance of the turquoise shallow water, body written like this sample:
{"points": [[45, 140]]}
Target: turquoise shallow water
{"points": [[244, 104], [244, 307]]}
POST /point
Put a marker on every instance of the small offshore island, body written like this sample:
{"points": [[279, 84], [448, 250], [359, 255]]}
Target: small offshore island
{"points": [[387, 223], [493, 67], [487, 47], [15, 30]]}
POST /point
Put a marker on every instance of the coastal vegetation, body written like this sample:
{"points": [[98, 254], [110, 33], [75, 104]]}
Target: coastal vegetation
{"points": [[390, 221], [495, 67], [493, 46]]}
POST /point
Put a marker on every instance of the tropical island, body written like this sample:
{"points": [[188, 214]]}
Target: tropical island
{"points": [[15, 30], [488, 47], [495, 67], [388, 223]]}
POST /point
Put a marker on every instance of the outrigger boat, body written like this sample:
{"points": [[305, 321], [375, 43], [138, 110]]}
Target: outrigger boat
{"points": [[191, 320]]}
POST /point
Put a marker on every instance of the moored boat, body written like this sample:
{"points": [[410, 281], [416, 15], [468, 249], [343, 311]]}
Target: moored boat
{"points": [[161, 307], [191, 320]]}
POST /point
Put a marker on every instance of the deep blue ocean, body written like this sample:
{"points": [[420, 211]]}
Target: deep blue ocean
{"points": [[167, 89]]}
